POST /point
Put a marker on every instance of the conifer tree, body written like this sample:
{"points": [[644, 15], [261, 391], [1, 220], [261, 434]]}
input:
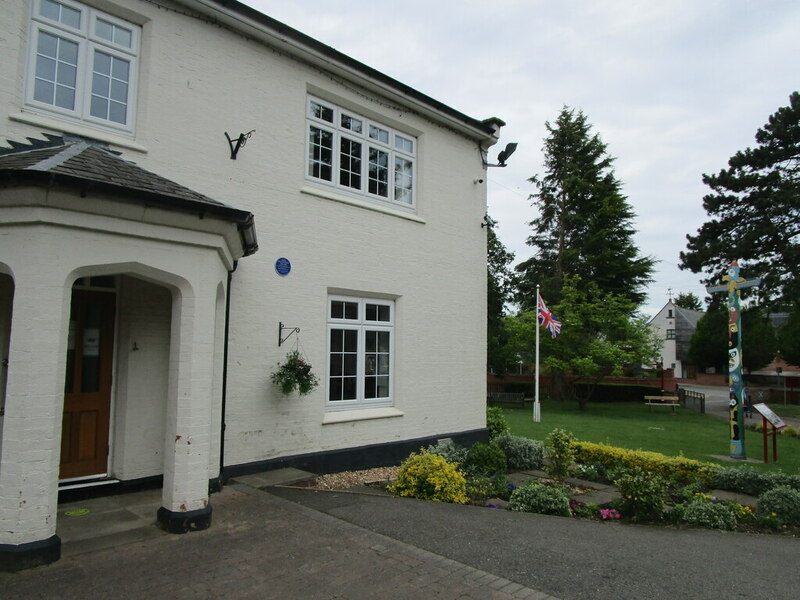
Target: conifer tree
{"points": [[754, 207], [585, 223]]}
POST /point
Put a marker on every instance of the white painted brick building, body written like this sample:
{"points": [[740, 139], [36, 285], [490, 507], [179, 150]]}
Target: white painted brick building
{"points": [[138, 323]]}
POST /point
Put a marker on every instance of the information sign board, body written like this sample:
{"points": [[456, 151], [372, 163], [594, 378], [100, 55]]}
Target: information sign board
{"points": [[766, 412]]}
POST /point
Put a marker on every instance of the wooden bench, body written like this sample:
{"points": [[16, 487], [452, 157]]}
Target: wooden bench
{"points": [[652, 401], [512, 397]]}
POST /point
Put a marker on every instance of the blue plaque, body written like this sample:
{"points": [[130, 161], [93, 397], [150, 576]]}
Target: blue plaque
{"points": [[283, 266]]}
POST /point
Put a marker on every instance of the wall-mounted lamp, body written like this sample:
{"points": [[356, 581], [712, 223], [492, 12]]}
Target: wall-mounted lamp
{"points": [[240, 142], [502, 157]]}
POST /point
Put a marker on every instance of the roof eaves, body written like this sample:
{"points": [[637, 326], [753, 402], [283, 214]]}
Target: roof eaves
{"points": [[241, 16]]}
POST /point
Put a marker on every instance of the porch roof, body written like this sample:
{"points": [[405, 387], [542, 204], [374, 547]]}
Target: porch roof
{"points": [[91, 166]]}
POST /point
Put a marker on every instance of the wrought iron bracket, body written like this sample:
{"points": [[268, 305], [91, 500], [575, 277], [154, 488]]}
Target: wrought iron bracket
{"points": [[281, 329], [240, 142]]}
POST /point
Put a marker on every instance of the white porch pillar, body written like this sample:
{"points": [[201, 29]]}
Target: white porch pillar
{"points": [[185, 505], [31, 440]]}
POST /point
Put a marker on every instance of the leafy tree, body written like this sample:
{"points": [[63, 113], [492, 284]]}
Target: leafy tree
{"points": [[789, 337], [499, 290], [708, 347], [599, 336], [710, 343], [585, 223], [688, 300], [754, 207]]}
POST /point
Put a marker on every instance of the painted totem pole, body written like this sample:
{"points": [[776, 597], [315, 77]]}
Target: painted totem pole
{"points": [[735, 283]]}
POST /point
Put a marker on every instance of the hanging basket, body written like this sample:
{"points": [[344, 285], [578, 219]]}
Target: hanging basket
{"points": [[295, 372]]}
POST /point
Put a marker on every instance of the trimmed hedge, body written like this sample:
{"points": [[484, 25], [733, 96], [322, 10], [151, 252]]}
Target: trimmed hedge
{"points": [[684, 469]]}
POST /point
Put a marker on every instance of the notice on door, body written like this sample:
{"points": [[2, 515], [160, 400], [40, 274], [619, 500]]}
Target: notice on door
{"points": [[91, 342]]}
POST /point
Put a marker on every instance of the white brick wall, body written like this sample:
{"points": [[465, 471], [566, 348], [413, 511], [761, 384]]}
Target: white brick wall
{"points": [[198, 81]]}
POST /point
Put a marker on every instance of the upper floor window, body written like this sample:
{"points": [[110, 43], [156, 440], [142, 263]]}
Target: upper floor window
{"points": [[670, 334], [358, 155], [82, 64]]}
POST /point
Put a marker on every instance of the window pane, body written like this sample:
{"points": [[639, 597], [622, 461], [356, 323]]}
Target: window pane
{"points": [[376, 133], [383, 341], [403, 180], [352, 123], [403, 144], [70, 17], [378, 172], [337, 340], [65, 97], [44, 91], [384, 313], [117, 112], [350, 164], [45, 68], [101, 85], [372, 312], [47, 45], [370, 341], [350, 340], [120, 69], [322, 112], [50, 10], [378, 312], [351, 310], [335, 369], [67, 52], [335, 389], [349, 388], [320, 154], [102, 63], [349, 364], [119, 91], [370, 390], [123, 37], [99, 107], [104, 29], [382, 390]]}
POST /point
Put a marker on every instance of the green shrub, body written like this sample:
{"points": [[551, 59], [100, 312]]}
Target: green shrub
{"points": [[485, 459], [559, 453], [782, 501], [746, 480], [702, 512], [430, 477], [449, 450], [589, 472], [643, 494], [521, 452], [482, 487], [496, 422], [680, 468], [539, 498]]}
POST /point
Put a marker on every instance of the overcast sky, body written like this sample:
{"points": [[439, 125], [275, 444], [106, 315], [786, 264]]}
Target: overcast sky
{"points": [[673, 87]]}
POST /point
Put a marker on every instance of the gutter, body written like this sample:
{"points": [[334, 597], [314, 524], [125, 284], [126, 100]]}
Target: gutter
{"points": [[224, 395]]}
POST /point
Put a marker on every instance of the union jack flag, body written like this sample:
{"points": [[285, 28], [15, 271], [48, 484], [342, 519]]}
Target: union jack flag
{"points": [[546, 318]]}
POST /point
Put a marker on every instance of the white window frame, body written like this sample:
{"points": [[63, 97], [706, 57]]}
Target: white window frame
{"points": [[87, 42], [361, 325], [398, 146]]}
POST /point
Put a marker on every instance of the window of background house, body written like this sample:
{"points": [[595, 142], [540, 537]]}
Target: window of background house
{"points": [[358, 155], [360, 351], [82, 64]]}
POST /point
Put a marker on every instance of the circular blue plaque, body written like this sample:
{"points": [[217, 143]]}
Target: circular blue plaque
{"points": [[283, 266]]}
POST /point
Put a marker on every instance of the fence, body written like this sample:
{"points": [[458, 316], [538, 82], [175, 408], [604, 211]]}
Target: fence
{"points": [[694, 400]]}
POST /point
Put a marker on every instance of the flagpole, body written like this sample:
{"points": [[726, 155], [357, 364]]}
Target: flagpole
{"points": [[537, 414]]}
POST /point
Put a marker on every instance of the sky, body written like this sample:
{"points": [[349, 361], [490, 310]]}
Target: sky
{"points": [[674, 88]]}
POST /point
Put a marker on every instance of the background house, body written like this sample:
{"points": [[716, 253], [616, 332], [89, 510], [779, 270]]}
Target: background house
{"points": [[140, 313], [675, 326]]}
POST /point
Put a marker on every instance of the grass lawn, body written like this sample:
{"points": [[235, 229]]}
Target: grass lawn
{"points": [[630, 425]]}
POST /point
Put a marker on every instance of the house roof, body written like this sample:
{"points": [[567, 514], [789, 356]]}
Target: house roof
{"points": [[89, 165], [687, 318], [242, 17]]}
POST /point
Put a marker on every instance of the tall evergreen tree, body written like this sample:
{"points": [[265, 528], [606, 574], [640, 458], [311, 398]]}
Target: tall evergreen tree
{"points": [[585, 223], [755, 212], [688, 300], [499, 291]]}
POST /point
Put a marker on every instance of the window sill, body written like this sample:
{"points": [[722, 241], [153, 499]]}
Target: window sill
{"points": [[369, 205], [362, 414], [68, 127]]}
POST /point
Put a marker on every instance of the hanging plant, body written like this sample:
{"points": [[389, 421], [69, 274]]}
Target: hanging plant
{"points": [[295, 372]]}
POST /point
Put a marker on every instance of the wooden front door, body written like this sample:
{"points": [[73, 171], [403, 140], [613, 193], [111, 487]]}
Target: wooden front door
{"points": [[87, 390]]}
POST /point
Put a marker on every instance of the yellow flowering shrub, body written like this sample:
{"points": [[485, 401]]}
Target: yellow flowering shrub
{"points": [[683, 468], [430, 477]]}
